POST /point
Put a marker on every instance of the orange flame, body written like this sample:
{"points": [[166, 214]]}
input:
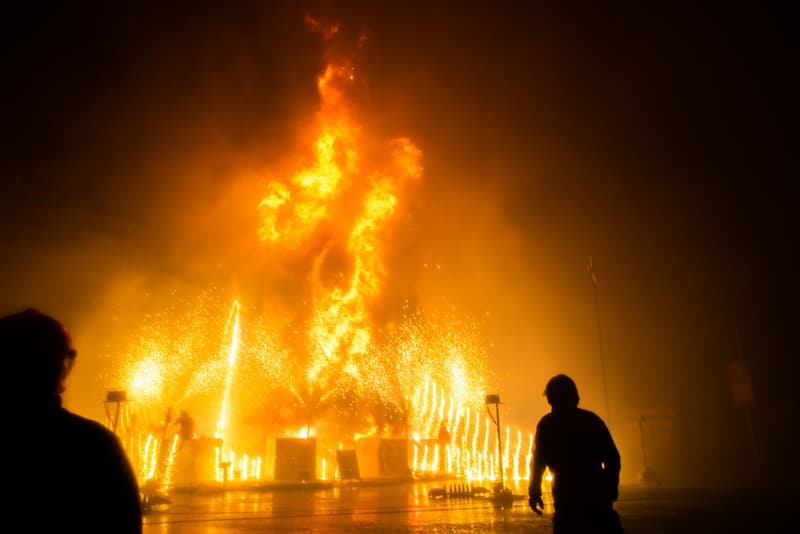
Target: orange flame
{"points": [[291, 212], [337, 209]]}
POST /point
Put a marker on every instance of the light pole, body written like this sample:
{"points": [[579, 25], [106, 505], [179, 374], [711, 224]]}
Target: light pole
{"points": [[593, 279], [119, 400], [495, 399]]}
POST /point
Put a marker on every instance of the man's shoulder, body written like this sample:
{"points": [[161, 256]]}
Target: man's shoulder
{"points": [[546, 420], [570, 417], [591, 419], [590, 415], [86, 428]]}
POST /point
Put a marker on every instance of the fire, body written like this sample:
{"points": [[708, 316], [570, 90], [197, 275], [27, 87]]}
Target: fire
{"points": [[148, 378], [232, 353], [349, 379], [291, 213]]}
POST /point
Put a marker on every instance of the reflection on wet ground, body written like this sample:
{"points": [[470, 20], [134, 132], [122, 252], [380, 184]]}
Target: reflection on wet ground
{"points": [[407, 507], [398, 507]]}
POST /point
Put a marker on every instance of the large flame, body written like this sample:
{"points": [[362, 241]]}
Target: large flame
{"points": [[292, 211], [423, 379]]}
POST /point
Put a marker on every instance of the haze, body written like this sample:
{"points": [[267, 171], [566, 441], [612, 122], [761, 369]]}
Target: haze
{"points": [[139, 140]]}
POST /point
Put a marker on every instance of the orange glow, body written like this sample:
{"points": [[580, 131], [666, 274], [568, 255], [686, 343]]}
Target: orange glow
{"points": [[232, 353], [234, 366]]}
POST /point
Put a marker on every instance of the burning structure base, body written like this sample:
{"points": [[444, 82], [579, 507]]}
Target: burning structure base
{"points": [[198, 463]]}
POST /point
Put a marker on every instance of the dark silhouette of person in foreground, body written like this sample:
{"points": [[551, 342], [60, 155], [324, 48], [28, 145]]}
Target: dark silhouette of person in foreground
{"points": [[577, 447], [65, 473]]}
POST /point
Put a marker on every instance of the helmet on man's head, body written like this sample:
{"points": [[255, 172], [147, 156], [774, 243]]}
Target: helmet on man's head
{"points": [[561, 391]]}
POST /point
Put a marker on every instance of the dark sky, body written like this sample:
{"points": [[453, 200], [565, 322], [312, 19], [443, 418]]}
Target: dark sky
{"points": [[658, 141]]}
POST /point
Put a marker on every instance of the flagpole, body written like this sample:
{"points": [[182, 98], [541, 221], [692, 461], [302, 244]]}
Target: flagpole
{"points": [[593, 279]]}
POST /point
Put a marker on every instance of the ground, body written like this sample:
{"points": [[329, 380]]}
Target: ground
{"points": [[408, 507]]}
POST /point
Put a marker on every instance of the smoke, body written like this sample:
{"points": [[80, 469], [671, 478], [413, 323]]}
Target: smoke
{"points": [[142, 143]]}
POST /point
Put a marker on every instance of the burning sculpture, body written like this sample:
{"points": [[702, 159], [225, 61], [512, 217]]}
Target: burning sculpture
{"points": [[333, 377]]}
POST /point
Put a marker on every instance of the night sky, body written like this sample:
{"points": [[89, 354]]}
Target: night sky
{"points": [[660, 142]]}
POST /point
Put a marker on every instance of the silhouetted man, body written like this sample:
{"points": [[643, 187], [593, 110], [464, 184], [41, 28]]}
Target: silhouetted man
{"points": [[64, 473], [578, 449]]}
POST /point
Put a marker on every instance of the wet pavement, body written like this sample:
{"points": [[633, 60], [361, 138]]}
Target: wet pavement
{"points": [[408, 507]]}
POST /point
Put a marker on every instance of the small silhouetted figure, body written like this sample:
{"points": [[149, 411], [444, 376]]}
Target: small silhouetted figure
{"points": [[444, 434], [63, 472], [185, 427], [577, 447]]}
